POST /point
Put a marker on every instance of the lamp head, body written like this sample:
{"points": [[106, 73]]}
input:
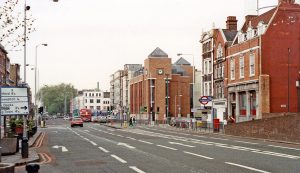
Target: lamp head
{"points": [[45, 44], [179, 54]]}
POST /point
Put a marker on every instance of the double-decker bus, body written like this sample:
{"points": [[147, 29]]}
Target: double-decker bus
{"points": [[86, 115]]}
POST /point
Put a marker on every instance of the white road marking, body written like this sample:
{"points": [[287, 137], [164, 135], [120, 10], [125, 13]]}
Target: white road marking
{"points": [[104, 150], [111, 130], [136, 169], [277, 154], [176, 143], [247, 142], [120, 135], [166, 147], [247, 167], [131, 138], [118, 158], [63, 148], [297, 149], [219, 138], [205, 157], [126, 145], [86, 130], [93, 143], [145, 142]]}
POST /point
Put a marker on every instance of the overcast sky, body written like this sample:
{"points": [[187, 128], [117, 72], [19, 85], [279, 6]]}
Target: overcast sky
{"points": [[88, 40]]}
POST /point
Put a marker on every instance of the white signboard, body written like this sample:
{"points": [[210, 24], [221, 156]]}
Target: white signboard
{"points": [[14, 101]]}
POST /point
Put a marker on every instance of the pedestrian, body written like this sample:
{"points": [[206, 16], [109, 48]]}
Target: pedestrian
{"points": [[134, 123], [130, 121]]}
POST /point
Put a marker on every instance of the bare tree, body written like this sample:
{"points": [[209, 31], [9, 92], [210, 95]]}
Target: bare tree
{"points": [[12, 24]]}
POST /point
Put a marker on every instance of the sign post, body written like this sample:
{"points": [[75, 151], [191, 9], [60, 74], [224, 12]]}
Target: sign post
{"points": [[14, 101]]}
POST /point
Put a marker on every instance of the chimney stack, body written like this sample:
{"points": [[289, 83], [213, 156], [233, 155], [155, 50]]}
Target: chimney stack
{"points": [[286, 1], [231, 23]]}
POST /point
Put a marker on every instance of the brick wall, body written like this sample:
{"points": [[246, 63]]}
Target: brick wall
{"points": [[282, 127]]}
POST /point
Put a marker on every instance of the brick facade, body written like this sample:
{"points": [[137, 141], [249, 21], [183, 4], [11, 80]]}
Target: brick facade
{"points": [[160, 82]]}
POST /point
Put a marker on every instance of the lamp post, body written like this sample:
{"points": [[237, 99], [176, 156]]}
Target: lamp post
{"points": [[35, 78], [176, 104], [180, 54]]}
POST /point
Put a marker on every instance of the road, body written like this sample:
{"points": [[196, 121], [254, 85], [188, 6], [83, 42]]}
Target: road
{"points": [[96, 148]]}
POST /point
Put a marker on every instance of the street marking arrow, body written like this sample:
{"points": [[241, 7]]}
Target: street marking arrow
{"points": [[176, 143], [63, 149], [126, 145]]}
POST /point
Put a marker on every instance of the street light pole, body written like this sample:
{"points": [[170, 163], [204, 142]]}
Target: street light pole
{"points": [[193, 100], [35, 80], [176, 104]]}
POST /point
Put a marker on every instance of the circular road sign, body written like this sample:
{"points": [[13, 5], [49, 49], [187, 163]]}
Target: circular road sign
{"points": [[204, 100]]}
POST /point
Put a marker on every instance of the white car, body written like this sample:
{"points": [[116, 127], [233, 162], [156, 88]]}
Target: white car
{"points": [[94, 119], [66, 118]]}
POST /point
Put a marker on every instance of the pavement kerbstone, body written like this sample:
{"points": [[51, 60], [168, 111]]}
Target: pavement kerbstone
{"points": [[17, 157]]}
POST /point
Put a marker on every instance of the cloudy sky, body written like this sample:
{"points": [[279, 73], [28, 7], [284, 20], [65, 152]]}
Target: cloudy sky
{"points": [[88, 40]]}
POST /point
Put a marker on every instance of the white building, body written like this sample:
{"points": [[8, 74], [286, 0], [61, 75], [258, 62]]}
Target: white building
{"points": [[92, 99]]}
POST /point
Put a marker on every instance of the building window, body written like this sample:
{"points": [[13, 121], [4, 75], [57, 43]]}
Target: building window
{"points": [[232, 69], [90, 94], [86, 94], [210, 89], [91, 107], [85, 100], [219, 51], [242, 68], [96, 94], [252, 64], [222, 71], [91, 100], [98, 100], [243, 103], [98, 107], [209, 66], [205, 67]]}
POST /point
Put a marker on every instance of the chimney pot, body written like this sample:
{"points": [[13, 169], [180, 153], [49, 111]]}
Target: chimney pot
{"points": [[231, 23]]}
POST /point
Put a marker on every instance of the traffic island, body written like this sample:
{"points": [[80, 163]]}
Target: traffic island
{"points": [[7, 168]]}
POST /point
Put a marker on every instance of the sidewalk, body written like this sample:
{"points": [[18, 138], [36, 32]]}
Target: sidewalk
{"points": [[17, 157], [210, 132]]}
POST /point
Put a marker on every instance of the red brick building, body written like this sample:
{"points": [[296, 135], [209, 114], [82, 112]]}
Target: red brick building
{"points": [[264, 64], [161, 89]]}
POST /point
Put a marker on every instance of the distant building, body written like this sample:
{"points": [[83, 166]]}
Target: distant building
{"points": [[92, 99], [161, 90], [120, 88]]}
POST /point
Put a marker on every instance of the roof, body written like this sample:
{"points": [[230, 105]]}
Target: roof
{"points": [[229, 34], [265, 17], [158, 53], [182, 61], [177, 69]]}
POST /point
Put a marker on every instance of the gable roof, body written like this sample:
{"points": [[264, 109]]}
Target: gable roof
{"points": [[265, 17], [158, 53], [182, 61], [229, 34]]}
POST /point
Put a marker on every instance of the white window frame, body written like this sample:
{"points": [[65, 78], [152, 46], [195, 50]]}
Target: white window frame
{"points": [[242, 67], [209, 66], [219, 51], [232, 69], [252, 64]]}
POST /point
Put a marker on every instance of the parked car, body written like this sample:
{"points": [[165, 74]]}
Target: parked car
{"points": [[66, 117], [94, 119], [76, 121], [102, 119]]}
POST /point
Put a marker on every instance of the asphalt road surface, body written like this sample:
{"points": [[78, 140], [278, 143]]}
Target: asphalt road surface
{"points": [[96, 148]]}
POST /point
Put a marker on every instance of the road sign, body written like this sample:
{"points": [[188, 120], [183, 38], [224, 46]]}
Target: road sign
{"points": [[204, 100], [14, 101]]}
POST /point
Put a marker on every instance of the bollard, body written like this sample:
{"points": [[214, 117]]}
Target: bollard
{"points": [[25, 148], [32, 168]]}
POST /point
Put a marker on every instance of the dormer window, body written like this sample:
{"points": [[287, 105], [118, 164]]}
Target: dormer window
{"points": [[219, 51], [261, 28], [249, 33], [240, 37]]}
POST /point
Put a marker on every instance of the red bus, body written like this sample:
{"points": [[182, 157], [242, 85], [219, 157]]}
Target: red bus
{"points": [[86, 115]]}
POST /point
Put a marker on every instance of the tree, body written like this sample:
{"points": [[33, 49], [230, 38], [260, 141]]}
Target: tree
{"points": [[53, 97], [12, 24]]}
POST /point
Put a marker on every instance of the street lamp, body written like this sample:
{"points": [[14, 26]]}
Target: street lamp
{"points": [[180, 54], [176, 104]]}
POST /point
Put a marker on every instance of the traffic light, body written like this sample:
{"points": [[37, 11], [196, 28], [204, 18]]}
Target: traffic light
{"points": [[41, 109]]}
